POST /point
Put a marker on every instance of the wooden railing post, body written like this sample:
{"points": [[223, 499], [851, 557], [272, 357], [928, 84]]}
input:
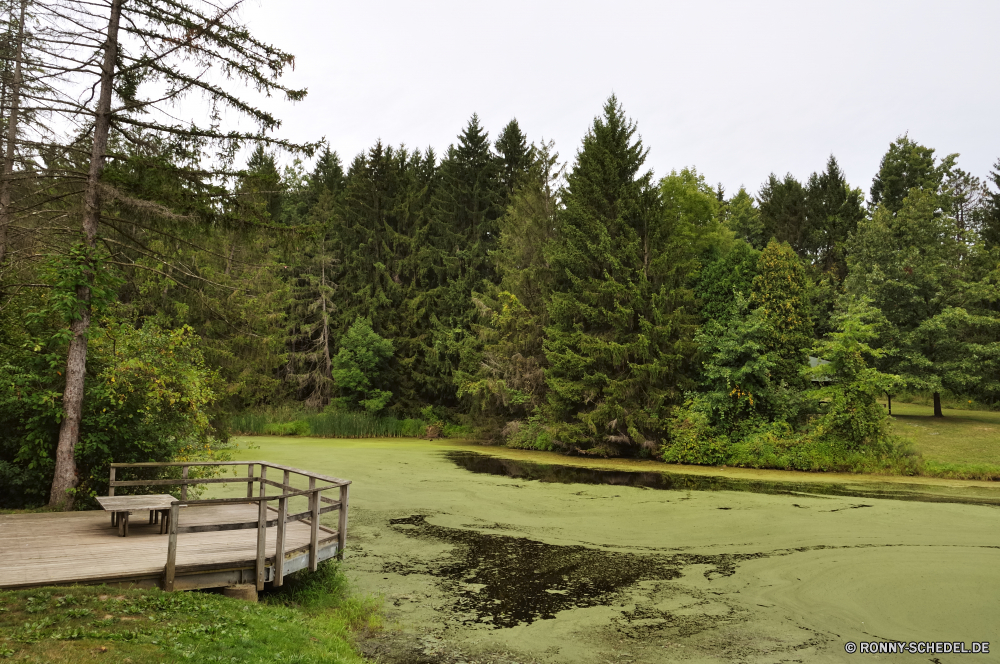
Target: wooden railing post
{"points": [[342, 522], [171, 567], [249, 480], [314, 537], [184, 486], [279, 544], [263, 476], [111, 482], [261, 542]]}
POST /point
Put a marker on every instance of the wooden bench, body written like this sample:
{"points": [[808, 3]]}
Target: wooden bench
{"points": [[122, 506]]}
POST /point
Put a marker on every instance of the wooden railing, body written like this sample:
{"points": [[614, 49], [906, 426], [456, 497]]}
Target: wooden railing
{"points": [[314, 494]]}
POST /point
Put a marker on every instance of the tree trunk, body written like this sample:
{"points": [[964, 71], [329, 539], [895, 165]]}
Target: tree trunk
{"points": [[889, 397], [8, 162], [937, 405], [65, 479]]}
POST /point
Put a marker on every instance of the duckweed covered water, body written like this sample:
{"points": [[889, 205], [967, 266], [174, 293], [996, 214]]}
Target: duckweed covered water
{"points": [[520, 561]]}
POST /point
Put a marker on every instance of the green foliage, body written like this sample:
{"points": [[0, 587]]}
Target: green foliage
{"points": [[295, 428], [941, 321], [780, 293], [850, 387], [147, 399], [359, 365], [510, 380]]}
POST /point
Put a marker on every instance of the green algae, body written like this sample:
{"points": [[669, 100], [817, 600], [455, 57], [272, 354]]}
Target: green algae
{"points": [[475, 566]]}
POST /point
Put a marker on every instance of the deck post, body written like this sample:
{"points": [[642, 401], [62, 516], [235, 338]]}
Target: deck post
{"points": [[279, 545], [249, 480], [261, 541], [263, 476], [171, 567], [184, 486], [111, 482], [314, 537], [342, 522]]}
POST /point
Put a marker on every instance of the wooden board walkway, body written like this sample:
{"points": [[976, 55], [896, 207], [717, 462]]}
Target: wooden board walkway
{"points": [[83, 547]]}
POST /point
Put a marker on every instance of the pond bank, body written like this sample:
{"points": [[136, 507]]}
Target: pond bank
{"points": [[477, 566]]}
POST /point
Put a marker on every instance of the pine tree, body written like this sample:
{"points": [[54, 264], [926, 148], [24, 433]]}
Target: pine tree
{"points": [[619, 332]]}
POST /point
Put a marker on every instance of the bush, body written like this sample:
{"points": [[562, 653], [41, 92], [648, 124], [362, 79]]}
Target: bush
{"points": [[146, 398], [294, 428]]}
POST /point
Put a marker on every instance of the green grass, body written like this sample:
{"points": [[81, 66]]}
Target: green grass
{"points": [[309, 621], [963, 444]]}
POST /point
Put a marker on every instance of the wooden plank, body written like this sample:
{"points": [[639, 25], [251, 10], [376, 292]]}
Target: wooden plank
{"points": [[111, 490], [250, 482], [184, 486], [158, 501], [168, 482]]}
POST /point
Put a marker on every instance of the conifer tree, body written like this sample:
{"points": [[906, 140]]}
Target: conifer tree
{"points": [[783, 212], [943, 328], [833, 210], [907, 165], [515, 156], [742, 217], [502, 370], [619, 331]]}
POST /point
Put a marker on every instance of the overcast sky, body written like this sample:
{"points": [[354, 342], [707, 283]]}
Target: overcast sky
{"points": [[737, 89]]}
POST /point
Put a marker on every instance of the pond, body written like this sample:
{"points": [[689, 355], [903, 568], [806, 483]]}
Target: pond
{"points": [[493, 555]]}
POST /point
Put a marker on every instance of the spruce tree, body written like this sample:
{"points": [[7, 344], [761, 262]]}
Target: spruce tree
{"points": [[619, 332], [515, 156], [907, 165], [991, 216], [783, 212], [742, 217], [833, 210]]}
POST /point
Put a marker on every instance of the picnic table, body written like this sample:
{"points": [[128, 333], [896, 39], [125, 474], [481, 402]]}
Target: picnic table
{"points": [[121, 506]]}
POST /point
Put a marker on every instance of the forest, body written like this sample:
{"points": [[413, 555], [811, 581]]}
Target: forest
{"points": [[164, 284]]}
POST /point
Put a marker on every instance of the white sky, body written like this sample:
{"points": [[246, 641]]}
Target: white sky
{"points": [[737, 89]]}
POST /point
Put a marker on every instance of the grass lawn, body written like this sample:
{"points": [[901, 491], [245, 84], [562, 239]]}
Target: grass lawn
{"points": [[962, 438], [311, 622]]}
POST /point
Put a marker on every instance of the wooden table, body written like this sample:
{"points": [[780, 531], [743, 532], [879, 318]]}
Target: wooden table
{"points": [[121, 506]]}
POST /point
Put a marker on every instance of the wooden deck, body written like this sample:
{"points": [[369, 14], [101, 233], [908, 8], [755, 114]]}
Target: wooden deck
{"points": [[83, 547]]}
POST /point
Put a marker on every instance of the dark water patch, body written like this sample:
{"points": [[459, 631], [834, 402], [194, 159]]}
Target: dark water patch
{"points": [[504, 581], [666, 481]]}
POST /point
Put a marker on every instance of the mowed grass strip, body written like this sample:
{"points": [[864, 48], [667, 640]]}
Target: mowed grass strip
{"points": [[103, 624], [963, 443]]}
